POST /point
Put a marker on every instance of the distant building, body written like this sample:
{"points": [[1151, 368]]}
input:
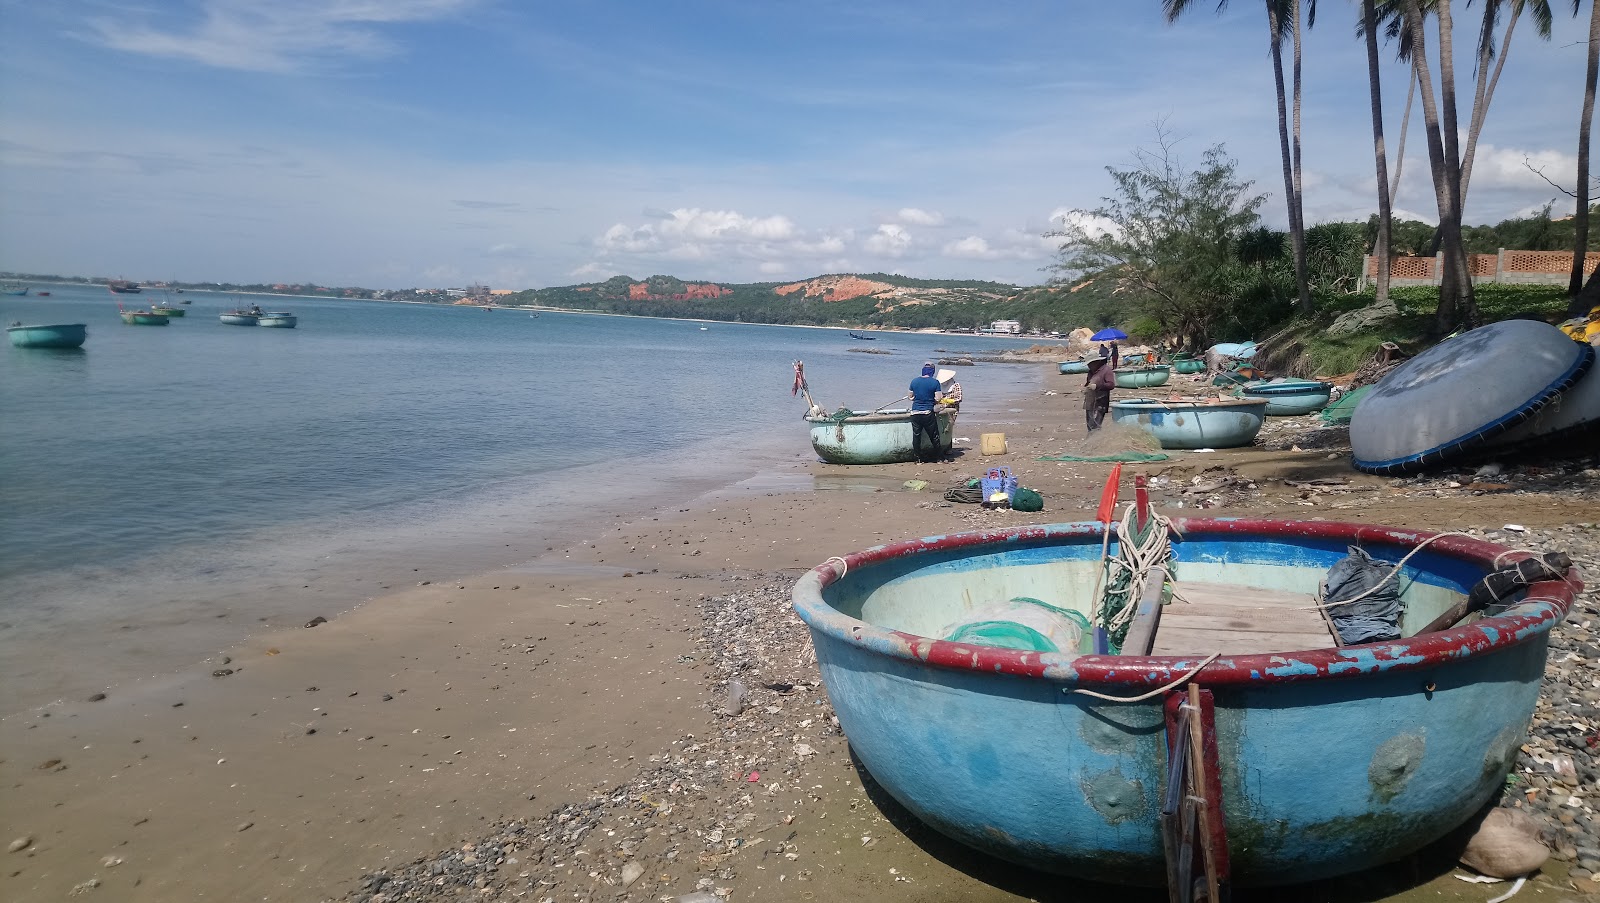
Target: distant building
{"points": [[1008, 327]]}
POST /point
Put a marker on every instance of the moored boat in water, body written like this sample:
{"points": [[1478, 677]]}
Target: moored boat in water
{"points": [[56, 335], [881, 437], [124, 287], [13, 288], [1319, 759], [142, 318], [244, 316], [1143, 377], [1188, 423], [280, 319], [166, 311]]}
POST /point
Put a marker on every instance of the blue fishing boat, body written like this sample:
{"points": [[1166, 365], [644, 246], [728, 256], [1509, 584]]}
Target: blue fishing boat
{"points": [[883, 437], [58, 335], [1188, 365], [1211, 423], [246, 316], [1318, 759], [1289, 397], [12, 288], [1073, 367], [143, 318], [1143, 377]]}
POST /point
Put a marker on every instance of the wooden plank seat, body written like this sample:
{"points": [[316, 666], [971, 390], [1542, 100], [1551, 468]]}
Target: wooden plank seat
{"points": [[1237, 620]]}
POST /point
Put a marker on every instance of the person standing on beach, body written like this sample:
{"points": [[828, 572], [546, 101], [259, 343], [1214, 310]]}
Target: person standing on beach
{"points": [[924, 395], [1097, 392]]}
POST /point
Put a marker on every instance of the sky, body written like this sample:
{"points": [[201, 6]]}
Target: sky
{"points": [[525, 143]]}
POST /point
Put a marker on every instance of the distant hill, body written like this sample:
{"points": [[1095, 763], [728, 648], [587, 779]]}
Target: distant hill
{"points": [[842, 299]]}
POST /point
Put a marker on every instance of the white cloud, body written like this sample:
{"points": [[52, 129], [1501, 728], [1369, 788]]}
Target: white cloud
{"points": [[913, 216], [594, 270], [1012, 244], [276, 36], [1508, 167], [890, 241], [773, 267], [693, 234], [1092, 226]]}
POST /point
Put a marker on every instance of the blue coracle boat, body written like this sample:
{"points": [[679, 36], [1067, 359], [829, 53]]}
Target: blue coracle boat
{"points": [[880, 438], [1327, 760], [58, 335], [1289, 397], [1193, 424], [1143, 377], [1071, 367]]}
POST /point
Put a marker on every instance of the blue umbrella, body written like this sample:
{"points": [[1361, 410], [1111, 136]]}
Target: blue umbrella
{"points": [[1108, 335]]}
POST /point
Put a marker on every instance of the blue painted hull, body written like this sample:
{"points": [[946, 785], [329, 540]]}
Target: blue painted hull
{"points": [[1189, 366], [60, 335], [883, 438], [1290, 399], [1143, 377], [1179, 425], [1070, 367], [1332, 761]]}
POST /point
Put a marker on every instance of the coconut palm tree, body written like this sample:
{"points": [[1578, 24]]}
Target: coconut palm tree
{"points": [[1455, 291], [1539, 12], [1283, 21], [1369, 27], [1580, 216]]}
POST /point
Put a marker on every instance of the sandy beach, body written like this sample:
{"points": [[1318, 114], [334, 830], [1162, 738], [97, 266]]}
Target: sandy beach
{"points": [[469, 726]]}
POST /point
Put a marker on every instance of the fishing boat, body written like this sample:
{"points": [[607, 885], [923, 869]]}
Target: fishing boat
{"points": [[123, 287], [43, 294], [167, 311], [1069, 368], [280, 319], [58, 335], [143, 318], [1289, 397], [1188, 365], [246, 316], [1310, 759], [864, 338], [1143, 377], [12, 288], [1211, 423], [881, 437]]}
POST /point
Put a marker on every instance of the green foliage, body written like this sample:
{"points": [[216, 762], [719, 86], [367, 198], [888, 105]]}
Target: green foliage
{"points": [[1171, 240], [1334, 252]]}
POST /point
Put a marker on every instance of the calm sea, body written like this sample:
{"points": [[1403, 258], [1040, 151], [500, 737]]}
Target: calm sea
{"points": [[167, 489]]}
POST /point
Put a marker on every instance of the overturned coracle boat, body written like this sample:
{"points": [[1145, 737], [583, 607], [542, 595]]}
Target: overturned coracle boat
{"points": [[1232, 712]]}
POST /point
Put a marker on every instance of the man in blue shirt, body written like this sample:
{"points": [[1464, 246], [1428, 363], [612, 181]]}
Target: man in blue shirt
{"points": [[924, 395]]}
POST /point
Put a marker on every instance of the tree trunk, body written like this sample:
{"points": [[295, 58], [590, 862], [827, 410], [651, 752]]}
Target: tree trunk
{"points": [[1445, 316], [1580, 216], [1297, 237], [1369, 21], [1400, 152], [1455, 257], [1485, 93]]}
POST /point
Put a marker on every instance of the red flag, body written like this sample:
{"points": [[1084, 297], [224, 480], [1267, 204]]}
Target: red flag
{"points": [[1108, 496]]}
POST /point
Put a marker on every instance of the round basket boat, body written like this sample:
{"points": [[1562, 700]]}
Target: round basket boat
{"points": [[1142, 377], [1071, 367], [1188, 366], [1193, 424], [880, 438], [1453, 398], [1290, 397], [1332, 759]]}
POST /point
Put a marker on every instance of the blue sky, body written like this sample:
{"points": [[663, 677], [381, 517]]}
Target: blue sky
{"points": [[398, 143]]}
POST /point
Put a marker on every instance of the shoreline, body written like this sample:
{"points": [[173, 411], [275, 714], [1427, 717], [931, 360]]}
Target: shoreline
{"points": [[417, 721]]}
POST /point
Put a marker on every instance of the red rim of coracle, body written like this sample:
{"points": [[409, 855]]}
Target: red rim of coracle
{"points": [[1546, 604]]}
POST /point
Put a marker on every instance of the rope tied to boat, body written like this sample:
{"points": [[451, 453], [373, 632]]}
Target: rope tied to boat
{"points": [[840, 570], [1128, 572], [1187, 676]]}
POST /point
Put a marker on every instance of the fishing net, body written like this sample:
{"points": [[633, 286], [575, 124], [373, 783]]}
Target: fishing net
{"points": [[1025, 499], [841, 415], [1131, 457]]}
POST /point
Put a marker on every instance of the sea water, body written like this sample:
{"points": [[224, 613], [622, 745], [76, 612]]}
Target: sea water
{"points": [[165, 490]]}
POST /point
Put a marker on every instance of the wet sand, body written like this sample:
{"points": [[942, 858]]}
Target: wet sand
{"points": [[308, 756]]}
